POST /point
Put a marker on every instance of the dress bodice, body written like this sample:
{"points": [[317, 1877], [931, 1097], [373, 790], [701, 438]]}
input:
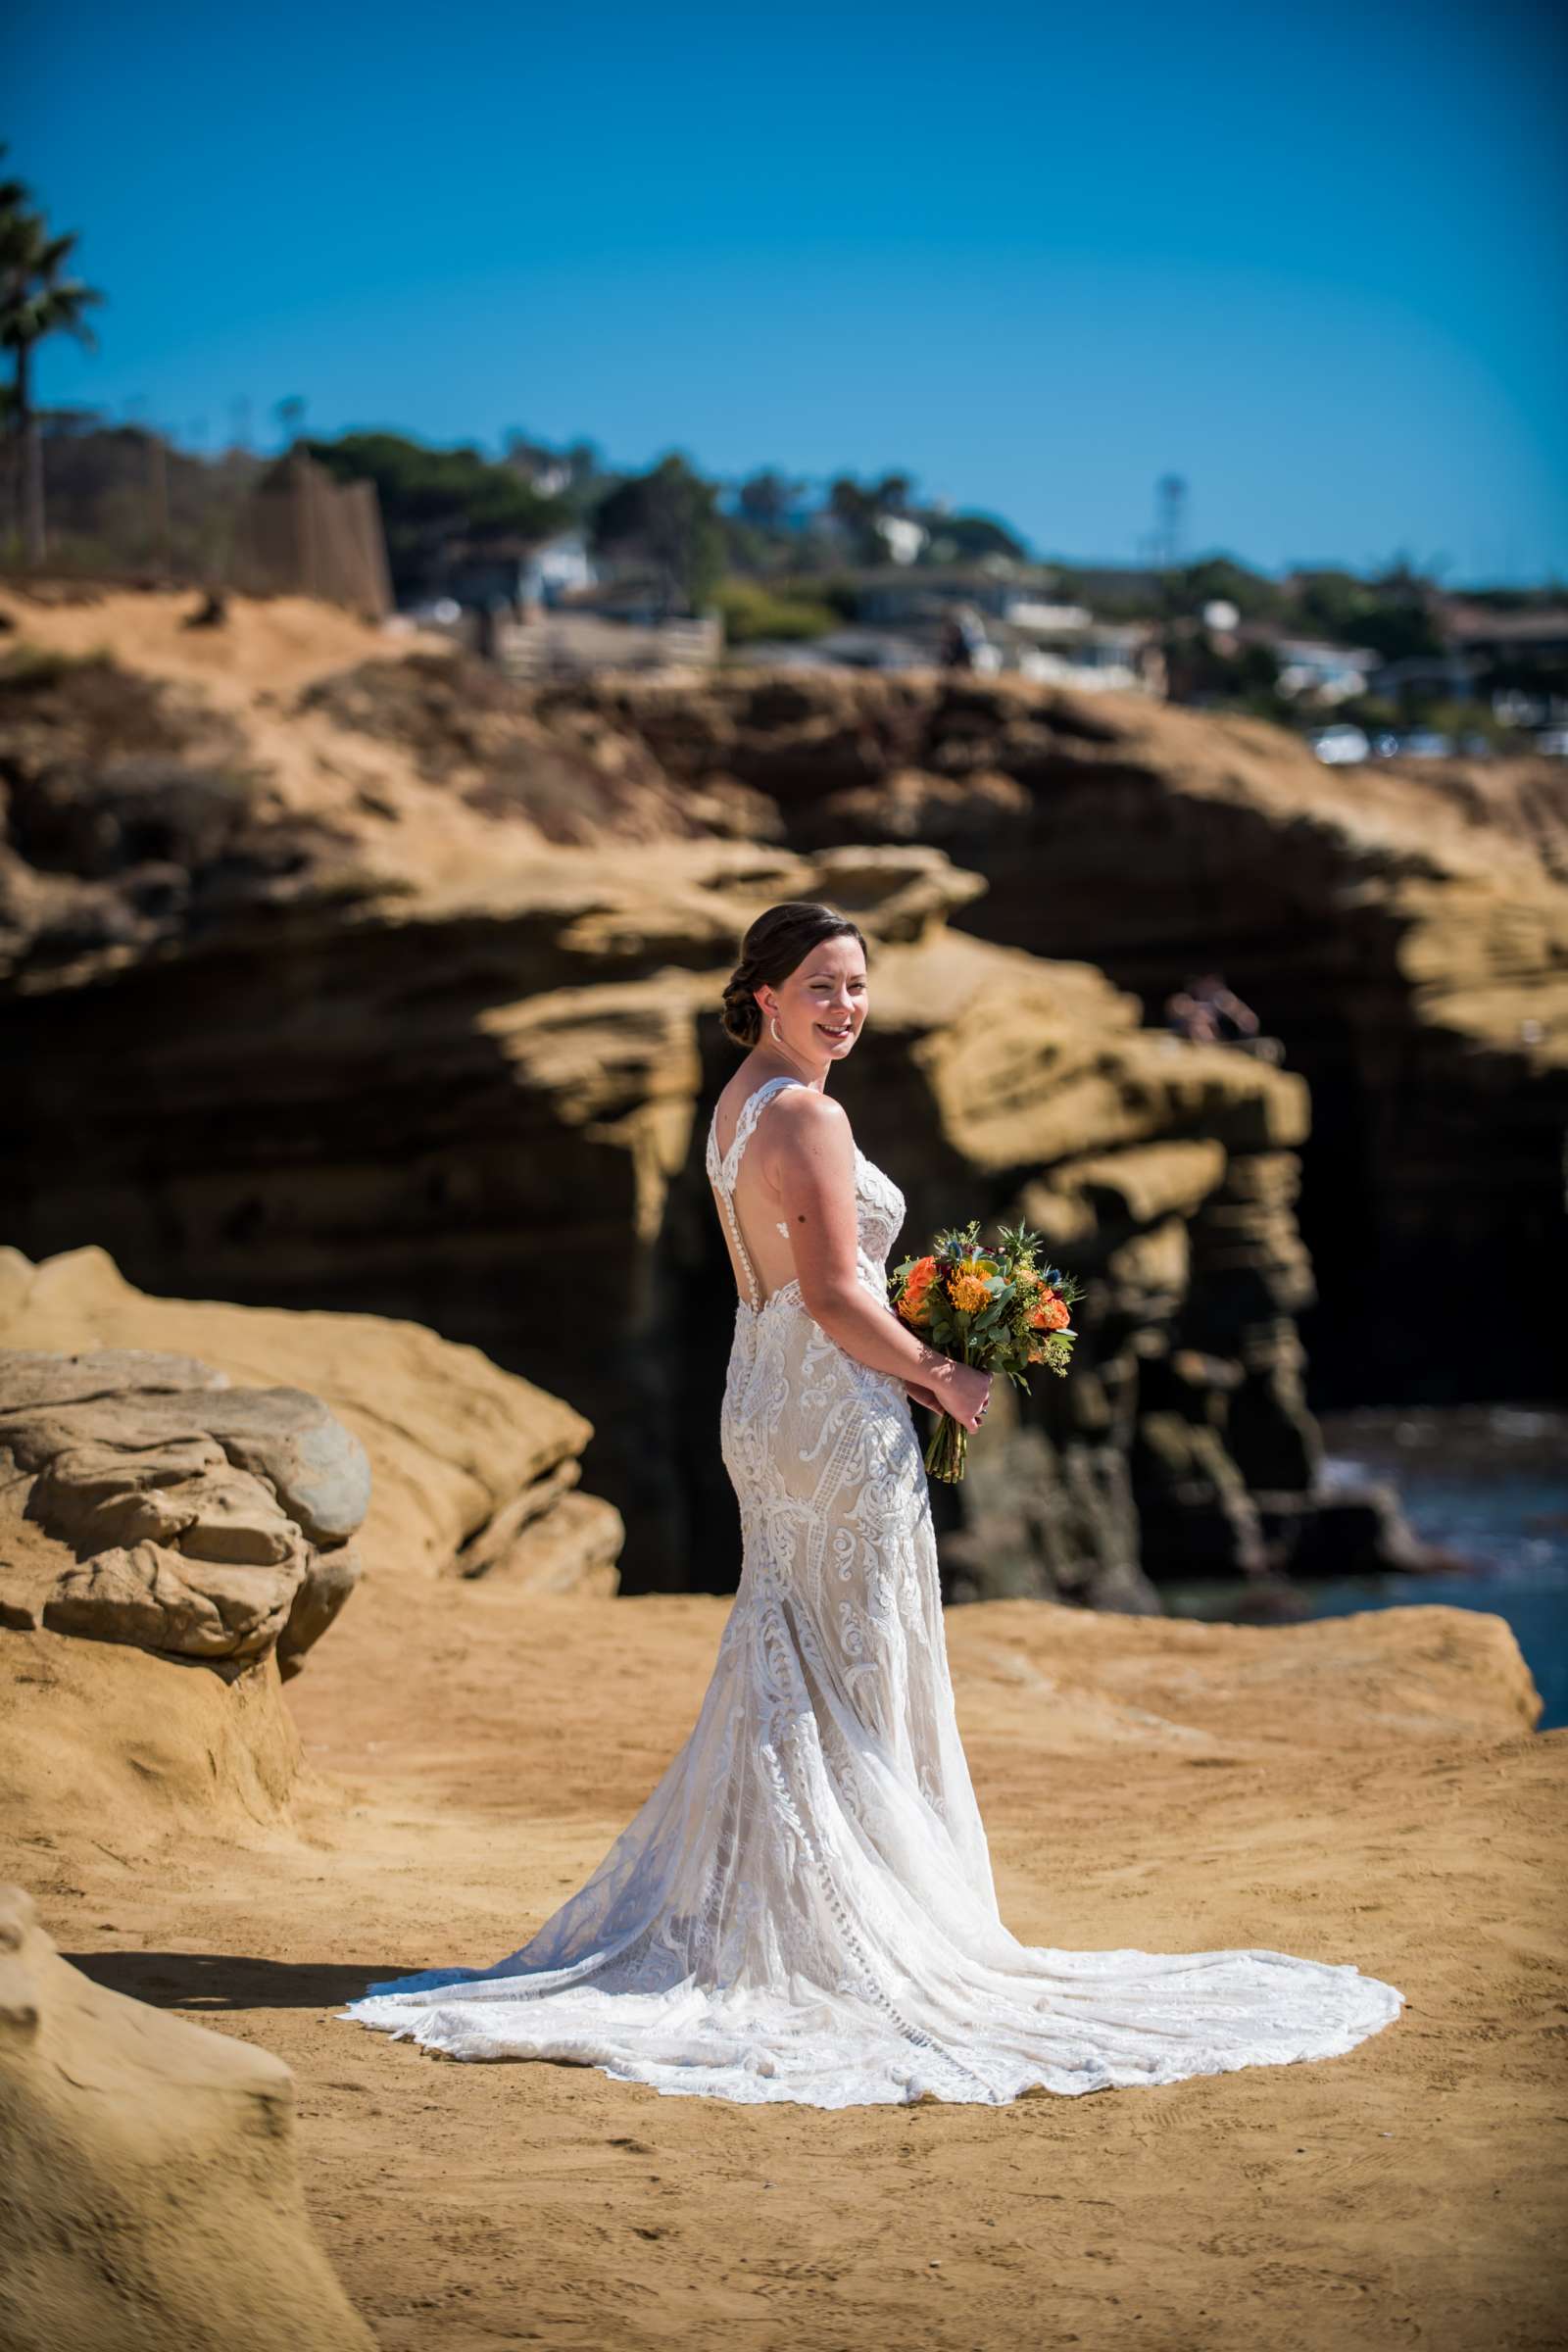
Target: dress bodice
{"points": [[880, 1207]]}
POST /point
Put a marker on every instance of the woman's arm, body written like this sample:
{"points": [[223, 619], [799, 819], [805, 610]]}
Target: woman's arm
{"points": [[811, 1162]]}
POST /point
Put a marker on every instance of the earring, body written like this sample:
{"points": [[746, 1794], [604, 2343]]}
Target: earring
{"points": [[774, 1025]]}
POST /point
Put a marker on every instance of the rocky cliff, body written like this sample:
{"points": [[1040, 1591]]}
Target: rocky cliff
{"points": [[1404, 930], [422, 1060]]}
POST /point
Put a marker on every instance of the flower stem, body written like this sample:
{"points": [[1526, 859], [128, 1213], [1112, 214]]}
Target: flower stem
{"points": [[945, 1450]]}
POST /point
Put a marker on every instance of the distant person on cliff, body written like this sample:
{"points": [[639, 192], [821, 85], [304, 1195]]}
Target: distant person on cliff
{"points": [[962, 636], [1208, 1013]]}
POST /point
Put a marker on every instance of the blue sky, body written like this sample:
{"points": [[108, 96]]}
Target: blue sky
{"points": [[1315, 262]]}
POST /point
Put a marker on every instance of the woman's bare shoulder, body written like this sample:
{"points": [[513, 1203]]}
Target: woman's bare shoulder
{"points": [[805, 1116]]}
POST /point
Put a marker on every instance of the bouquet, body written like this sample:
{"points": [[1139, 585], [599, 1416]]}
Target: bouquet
{"points": [[998, 1308]]}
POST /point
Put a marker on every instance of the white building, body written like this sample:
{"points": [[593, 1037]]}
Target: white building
{"points": [[1323, 673]]}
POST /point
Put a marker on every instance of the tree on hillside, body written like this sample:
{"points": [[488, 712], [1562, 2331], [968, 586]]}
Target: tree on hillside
{"points": [[1221, 579], [766, 499], [572, 475], [669, 519], [966, 538], [1204, 677], [859, 507], [1403, 620], [1328, 604], [429, 496], [38, 297]]}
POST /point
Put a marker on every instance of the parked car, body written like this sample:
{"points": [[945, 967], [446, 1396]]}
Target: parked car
{"points": [[1341, 746]]}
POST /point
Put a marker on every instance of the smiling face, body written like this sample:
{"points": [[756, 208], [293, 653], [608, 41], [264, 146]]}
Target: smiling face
{"points": [[821, 1007]]}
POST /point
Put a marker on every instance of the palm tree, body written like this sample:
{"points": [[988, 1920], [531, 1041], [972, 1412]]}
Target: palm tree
{"points": [[37, 298]]}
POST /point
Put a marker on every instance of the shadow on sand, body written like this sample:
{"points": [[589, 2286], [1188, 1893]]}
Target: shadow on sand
{"points": [[220, 1980]]}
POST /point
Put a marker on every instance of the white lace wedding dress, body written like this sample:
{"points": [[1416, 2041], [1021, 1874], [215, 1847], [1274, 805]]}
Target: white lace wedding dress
{"points": [[804, 1909]]}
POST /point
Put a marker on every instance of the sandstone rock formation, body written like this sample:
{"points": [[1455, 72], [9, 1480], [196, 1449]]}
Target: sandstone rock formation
{"points": [[152, 1413], [150, 2199], [538, 1187], [461, 1073], [435, 1458], [1404, 929], [198, 1520], [160, 784]]}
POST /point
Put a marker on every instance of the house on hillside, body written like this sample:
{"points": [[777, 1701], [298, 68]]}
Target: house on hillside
{"points": [[1313, 672], [1538, 634], [1113, 586], [639, 595], [506, 568], [895, 596], [901, 536], [1519, 662], [1098, 656], [1449, 675], [905, 615]]}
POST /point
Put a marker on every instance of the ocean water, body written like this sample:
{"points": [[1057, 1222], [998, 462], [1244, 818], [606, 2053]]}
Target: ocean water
{"points": [[1489, 1484]]}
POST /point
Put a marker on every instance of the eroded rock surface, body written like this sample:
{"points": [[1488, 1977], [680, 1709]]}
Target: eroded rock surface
{"points": [[537, 1187], [206, 1521], [470, 1086], [172, 1722], [1402, 927], [150, 2198], [430, 1455]]}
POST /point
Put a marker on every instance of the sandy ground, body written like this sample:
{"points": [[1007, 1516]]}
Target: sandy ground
{"points": [[276, 643], [1362, 1789]]}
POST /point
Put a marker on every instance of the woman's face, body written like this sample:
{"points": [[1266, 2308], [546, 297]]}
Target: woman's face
{"points": [[821, 1007]]}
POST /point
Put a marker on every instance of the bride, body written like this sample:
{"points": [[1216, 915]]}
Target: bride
{"points": [[804, 1908]]}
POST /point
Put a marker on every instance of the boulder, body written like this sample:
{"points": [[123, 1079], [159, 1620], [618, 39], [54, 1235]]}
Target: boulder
{"points": [[150, 2196], [112, 1748], [198, 1589], [430, 1454], [164, 1508]]}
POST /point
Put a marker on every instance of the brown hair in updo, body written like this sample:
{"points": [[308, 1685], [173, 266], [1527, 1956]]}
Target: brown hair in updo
{"points": [[776, 944]]}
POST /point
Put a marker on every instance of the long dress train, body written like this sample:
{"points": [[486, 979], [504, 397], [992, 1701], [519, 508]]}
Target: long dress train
{"points": [[804, 1907]]}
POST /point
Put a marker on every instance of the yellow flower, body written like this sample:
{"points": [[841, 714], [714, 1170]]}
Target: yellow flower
{"points": [[968, 1292]]}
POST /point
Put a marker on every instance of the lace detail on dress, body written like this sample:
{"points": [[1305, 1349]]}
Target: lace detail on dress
{"points": [[802, 1908]]}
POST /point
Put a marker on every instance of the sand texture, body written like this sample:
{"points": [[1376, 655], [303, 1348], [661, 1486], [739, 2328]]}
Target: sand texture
{"points": [[149, 2200], [1367, 1789]]}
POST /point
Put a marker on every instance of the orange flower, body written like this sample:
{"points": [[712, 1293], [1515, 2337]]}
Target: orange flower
{"points": [[1051, 1315], [968, 1292], [912, 1306]]}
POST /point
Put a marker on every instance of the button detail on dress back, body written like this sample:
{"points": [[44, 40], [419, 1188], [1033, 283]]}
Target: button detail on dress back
{"points": [[723, 1168]]}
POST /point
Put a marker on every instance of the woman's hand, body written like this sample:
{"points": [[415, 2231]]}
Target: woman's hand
{"points": [[961, 1389]]}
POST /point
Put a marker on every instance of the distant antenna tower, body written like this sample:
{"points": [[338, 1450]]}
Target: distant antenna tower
{"points": [[1170, 515]]}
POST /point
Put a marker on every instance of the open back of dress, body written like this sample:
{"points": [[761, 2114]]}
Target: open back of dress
{"points": [[724, 1175]]}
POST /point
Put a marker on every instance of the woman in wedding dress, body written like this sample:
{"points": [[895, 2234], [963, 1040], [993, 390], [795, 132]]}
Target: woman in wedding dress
{"points": [[803, 1909]]}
